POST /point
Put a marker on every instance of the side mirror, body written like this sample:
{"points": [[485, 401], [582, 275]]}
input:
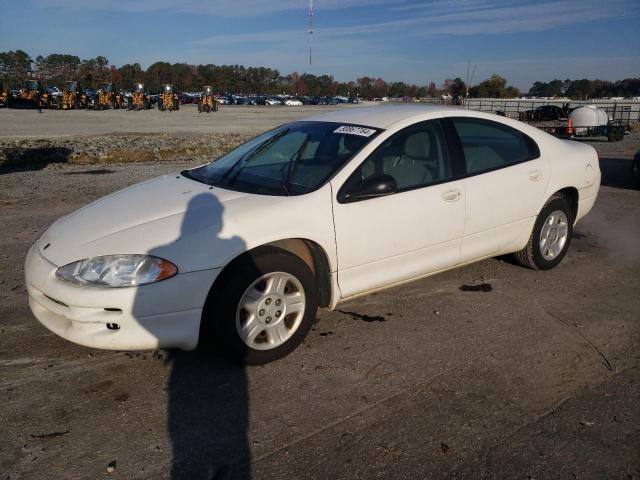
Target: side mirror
{"points": [[373, 187]]}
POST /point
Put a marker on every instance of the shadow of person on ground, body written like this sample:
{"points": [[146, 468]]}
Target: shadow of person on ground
{"points": [[19, 159], [207, 397]]}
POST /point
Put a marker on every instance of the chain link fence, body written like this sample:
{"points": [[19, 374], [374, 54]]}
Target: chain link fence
{"points": [[625, 112]]}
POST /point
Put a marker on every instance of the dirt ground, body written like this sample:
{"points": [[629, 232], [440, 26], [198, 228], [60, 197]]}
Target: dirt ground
{"points": [[534, 377]]}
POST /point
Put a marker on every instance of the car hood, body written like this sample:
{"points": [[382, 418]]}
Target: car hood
{"points": [[167, 217]]}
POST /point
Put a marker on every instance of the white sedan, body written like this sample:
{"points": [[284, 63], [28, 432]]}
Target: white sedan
{"points": [[242, 251], [293, 102]]}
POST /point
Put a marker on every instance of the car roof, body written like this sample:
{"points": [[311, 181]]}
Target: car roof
{"points": [[382, 116]]}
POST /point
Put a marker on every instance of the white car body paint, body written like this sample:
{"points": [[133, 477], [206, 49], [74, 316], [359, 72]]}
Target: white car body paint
{"points": [[369, 245]]}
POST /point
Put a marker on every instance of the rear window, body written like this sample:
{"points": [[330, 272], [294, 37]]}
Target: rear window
{"points": [[490, 145]]}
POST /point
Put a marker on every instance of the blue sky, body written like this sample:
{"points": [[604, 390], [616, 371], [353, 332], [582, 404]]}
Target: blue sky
{"points": [[402, 40]]}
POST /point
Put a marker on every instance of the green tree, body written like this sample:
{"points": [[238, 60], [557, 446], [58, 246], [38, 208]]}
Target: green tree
{"points": [[130, 74], [93, 72], [57, 68], [494, 87], [15, 67]]}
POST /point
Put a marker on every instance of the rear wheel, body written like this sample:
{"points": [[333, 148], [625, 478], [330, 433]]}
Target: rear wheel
{"points": [[263, 307], [551, 236]]}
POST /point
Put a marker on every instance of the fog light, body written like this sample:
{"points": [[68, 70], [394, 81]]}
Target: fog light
{"points": [[113, 326]]}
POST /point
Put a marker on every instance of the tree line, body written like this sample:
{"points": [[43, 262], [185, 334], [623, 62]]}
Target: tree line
{"points": [[55, 69], [585, 89]]}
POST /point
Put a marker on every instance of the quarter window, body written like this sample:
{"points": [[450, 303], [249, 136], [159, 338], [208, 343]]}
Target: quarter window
{"points": [[489, 145], [415, 157]]}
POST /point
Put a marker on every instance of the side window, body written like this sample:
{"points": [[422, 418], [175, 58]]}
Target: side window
{"points": [[489, 145], [415, 157]]}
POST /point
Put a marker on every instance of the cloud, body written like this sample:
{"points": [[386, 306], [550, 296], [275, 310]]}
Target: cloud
{"points": [[476, 17], [468, 17], [226, 8]]}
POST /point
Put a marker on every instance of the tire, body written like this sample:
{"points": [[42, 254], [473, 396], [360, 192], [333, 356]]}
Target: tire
{"points": [[160, 105], [533, 256], [635, 166], [223, 317], [206, 108]]}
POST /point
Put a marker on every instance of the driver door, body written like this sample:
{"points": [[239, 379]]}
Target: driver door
{"points": [[407, 234]]}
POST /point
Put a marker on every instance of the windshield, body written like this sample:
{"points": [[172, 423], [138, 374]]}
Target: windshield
{"points": [[168, 88], [293, 159], [72, 86], [106, 87], [208, 90], [138, 87], [31, 84]]}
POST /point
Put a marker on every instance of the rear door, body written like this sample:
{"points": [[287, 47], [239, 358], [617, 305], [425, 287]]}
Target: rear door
{"points": [[506, 178]]}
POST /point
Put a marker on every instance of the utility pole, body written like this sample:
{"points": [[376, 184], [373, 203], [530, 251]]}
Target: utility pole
{"points": [[469, 78], [310, 30]]}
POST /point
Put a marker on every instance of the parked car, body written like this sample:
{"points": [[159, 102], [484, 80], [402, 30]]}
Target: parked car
{"points": [[273, 101], [635, 166], [545, 113], [241, 252], [293, 102], [54, 91]]}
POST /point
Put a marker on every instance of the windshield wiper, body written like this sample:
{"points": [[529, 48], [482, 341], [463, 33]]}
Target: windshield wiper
{"points": [[252, 153], [293, 166]]}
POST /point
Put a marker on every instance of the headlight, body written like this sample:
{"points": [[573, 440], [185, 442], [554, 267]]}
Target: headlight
{"points": [[117, 271]]}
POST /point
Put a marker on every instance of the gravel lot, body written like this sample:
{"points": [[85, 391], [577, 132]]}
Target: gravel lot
{"points": [[17, 123], [537, 377]]}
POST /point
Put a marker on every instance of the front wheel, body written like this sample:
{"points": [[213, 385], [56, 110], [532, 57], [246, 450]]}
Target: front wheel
{"points": [[263, 307], [551, 236]]}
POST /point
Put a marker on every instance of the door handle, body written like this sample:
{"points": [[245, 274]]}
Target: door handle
{"points": [[535, 175], [451, 195]]}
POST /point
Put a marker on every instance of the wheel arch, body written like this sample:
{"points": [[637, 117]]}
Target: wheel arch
{"points": [[572, 196], [310, 252]]}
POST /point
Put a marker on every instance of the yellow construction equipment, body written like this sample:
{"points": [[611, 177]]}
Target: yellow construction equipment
{"points": [[208, 102], [32, 94], [72, 97], [109, 97], [167, 100], [139, 100], [4, 95]]}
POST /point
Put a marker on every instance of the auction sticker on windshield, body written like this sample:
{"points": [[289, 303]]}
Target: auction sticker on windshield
{"points": [[351, 130]]}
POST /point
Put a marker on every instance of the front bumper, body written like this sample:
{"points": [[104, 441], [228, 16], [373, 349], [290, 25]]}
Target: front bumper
{"points": [[159, 315]]}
